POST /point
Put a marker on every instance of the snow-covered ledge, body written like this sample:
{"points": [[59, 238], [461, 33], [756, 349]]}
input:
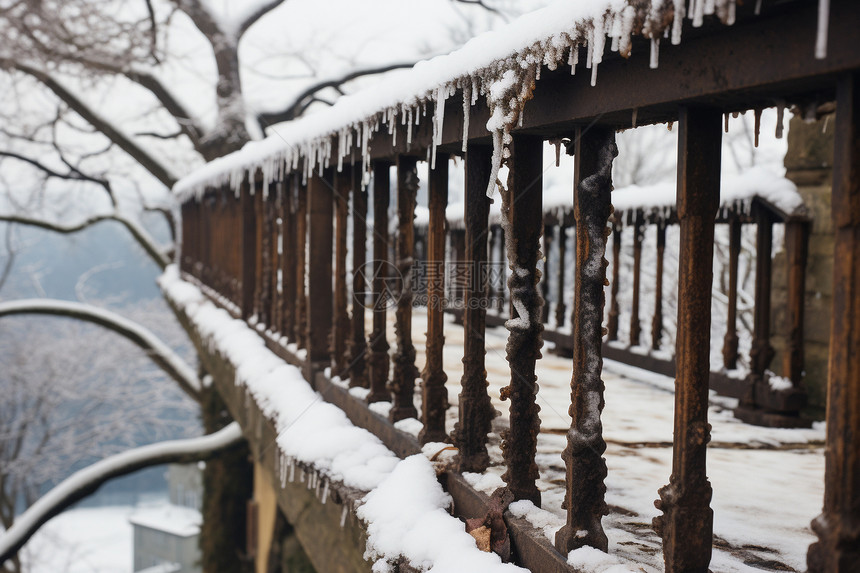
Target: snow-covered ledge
{"points": [[400, 503]]}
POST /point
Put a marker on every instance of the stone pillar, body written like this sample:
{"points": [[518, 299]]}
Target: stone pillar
{"points": [[809, 164]]}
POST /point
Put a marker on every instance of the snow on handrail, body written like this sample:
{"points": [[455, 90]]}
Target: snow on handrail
{"points": [[501, 65]]}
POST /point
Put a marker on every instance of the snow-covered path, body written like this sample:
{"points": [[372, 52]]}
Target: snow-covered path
{"points": [[768, 483]]}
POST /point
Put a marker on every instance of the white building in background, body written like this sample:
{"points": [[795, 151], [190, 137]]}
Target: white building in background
{"points": [[166, 534]]}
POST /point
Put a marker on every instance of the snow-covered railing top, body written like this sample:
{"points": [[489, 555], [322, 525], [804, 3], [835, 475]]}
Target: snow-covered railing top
{"points": [[501, 65]]}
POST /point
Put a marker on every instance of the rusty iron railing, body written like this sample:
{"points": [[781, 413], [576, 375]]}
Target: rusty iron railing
{"points": [[276, 252]]}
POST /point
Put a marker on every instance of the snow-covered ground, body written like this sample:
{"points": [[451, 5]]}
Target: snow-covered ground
{"points": [[767, 482], [85, 540]]}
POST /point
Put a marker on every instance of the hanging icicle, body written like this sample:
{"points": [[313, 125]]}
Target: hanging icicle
{"points": [[821, 31]]}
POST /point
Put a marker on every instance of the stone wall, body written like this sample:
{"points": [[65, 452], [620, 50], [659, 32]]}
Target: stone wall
{"points": [[808, 163]]}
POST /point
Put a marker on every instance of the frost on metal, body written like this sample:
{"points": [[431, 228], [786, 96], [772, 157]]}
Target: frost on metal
{"points": [[502, 66]]}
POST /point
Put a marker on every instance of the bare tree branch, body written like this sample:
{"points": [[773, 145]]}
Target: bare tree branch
{"points": [[261, 11], [143, 157], [86, 481], [158, 351], [10, 256], [140, 234], [153, 31], [300, 103]]}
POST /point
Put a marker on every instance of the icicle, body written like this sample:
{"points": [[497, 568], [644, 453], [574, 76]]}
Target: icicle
{"points": [[343, 516], [758, 7], [730, 19], [726, 121], [698, 13], [655, 52], [573, 58], [710, 7], [677, 22], [467, 98], [780, 116], [821, 32], [599, 42], [325, 492], [757, 115], [635, 116], [409, 129], [589, 52], [292, 470]]}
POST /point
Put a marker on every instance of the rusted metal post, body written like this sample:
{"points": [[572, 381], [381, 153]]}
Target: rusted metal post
{"points": [[403, 378], [657, 322], [612, 324], [476, 413], [340, 319], [583, 456], [434, 403], [260, 227], [838, 527], [686, 525], [301, 262], [796, 248], [635, 323], [276, 249], [249, 256], [523, 215], [357, 345], [319, 306], [381, 296], [730, 342], [289, 266], [560, 307], [762, 352], [547, 271], [265, 229]]}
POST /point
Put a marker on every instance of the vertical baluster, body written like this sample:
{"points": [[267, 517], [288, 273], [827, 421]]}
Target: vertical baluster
{"points": [[357, 346], [258, 245], [403, 379], [761, 352], [522, 209], [657, 322], [340, 325], [289, 265], [381, 296], [184, 246], [234, 207], [275, 248], [545, 278], [730, 342], [505, 299], [560, 306], [583, 456], [686, 525], [838, 527], [249, 255], [796, 248], [264, 312], [475, 410], [301, 261], [319, 310], [635, 324], [434, 403], [612, 324]]}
